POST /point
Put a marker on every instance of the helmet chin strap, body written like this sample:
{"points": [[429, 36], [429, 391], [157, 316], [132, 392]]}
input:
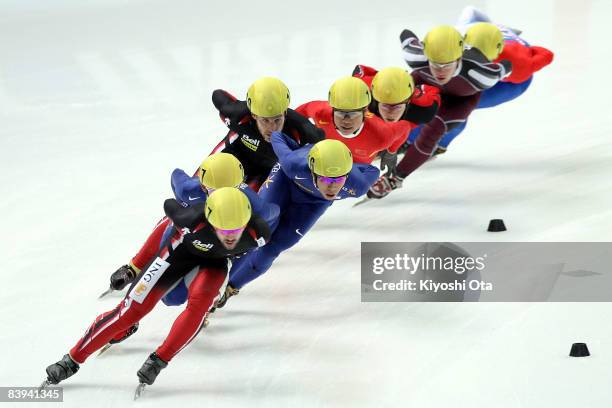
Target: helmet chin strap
{"points": [[459, 66], [314, 180], [350, 135]]}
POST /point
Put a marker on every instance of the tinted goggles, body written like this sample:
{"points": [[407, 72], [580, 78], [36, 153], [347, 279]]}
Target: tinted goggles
{"points": [[330, 180], [347, 114], [229, 231]]}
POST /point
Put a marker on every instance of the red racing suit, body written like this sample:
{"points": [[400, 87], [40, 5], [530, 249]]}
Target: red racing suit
{"points": [[525, 59], [375, 135]]}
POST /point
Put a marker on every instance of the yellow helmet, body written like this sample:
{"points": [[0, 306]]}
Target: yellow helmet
{"points": [[443, 44], [268, 97], [487, 38], [221, 170], [330, 158], [392, 85], [349, 93], [228, 208]]}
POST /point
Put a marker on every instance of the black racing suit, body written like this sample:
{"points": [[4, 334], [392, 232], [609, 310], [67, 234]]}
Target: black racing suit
{"points": [[246, 142]]}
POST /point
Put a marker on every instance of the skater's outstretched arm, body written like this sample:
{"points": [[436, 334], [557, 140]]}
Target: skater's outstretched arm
{"points": [[423, 105], [186, 189], [302, 130], [231, 110], [412, 50], [184, 217], [290, 155], [361, 177]]}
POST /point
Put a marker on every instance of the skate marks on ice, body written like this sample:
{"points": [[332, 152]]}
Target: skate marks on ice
{"points": [[581, 273], [210, 386]]}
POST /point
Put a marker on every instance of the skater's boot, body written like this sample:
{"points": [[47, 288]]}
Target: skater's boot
{"points": [[229, 292], [439, 150], [122, 277], [61, 370], [150, 369]]}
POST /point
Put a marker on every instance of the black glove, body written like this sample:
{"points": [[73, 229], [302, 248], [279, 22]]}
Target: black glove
{"points": [[388, 162], [407, 34], [122, 277]]}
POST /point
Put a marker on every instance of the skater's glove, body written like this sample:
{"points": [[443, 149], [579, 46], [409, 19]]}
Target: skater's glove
{"points": [[122, 277], [388, 162], [405, 34]]}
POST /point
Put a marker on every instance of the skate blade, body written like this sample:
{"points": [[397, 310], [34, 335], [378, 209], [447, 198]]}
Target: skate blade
{"points": [[103, 349], [363, 201], [109, 290], [139, 391]]}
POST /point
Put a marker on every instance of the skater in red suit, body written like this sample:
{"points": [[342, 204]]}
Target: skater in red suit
{"points": [[345, 117]]}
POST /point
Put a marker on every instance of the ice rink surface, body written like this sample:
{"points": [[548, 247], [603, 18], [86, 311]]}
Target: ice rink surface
{"points": [[101, 100]]}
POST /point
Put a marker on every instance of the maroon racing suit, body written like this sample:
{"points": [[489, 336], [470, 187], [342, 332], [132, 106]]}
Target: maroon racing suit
{"points": [[460, 95], [192, 247]]}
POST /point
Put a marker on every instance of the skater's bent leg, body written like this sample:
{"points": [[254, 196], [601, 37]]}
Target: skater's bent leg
{"points": [[178, 294], [151, 245], [204, 290], [144, 293], [414, 133], [111, 324], [502, 92], [451, 135]]}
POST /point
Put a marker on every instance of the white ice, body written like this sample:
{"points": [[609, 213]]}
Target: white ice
{"points": [[100, 100]]}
